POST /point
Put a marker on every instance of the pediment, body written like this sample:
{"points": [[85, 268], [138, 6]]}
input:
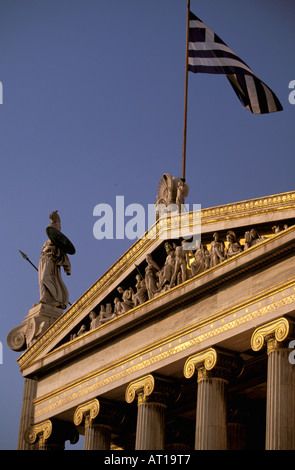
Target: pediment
{"points": [[104, 311]]}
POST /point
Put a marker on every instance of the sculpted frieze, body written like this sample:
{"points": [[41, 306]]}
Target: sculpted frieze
{"points": [[168, 267]]}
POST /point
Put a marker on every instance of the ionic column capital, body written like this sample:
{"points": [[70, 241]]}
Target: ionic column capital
{"points": [[150, 388], [213, 362], [51, 433], [274, 334], [41, 431], [88, 411], [142, 388]]}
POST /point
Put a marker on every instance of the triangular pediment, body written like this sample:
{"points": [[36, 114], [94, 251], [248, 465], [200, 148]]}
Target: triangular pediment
{"points": [[104, 311]]}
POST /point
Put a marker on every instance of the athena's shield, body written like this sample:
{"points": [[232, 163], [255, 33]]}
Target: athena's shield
{"points": [[60, 241]]}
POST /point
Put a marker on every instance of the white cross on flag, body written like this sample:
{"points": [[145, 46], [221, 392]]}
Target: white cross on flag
{"points": [[207, 53]]}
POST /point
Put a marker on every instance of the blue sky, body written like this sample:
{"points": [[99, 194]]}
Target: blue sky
{"points": [[93, 95]]}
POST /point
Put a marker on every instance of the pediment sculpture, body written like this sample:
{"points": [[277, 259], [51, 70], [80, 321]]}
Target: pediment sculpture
{"points": [[156, 278]]}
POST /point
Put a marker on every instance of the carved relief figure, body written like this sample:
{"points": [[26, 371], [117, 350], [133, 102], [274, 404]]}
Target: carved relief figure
{"points": [[252, 238], [202, 260], [180, 268], [94, 320], [105, 314], [234, 246], [166, 273], [126, 303], [141, 293], [150, 277], [216, 250], [117, 307]]}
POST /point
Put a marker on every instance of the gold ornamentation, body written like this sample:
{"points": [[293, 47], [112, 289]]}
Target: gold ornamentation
{"points": [[191, 337], [88, 410], [226, 364], [205, 359], [145, 386], [277, 329], [42, 431]]}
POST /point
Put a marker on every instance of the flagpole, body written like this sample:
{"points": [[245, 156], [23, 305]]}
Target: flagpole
{"points": [[185, 93]]}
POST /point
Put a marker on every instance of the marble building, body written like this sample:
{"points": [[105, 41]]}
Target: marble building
{"points": [[171, 349]]}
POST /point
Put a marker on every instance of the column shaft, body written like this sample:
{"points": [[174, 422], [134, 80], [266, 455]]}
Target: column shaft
{"points": [[153, 396], [280, 409], [27, 413], [211, 416], [150, 429], [97, 437]]}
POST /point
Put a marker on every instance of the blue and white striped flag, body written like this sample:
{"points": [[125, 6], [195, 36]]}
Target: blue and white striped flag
{"points": [[209, 54]]}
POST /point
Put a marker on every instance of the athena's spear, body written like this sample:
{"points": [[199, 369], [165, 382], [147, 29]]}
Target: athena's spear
{"points": [[26, 258]]}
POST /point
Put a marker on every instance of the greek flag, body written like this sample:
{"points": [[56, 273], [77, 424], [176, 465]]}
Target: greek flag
{"points": [[207, 53]]}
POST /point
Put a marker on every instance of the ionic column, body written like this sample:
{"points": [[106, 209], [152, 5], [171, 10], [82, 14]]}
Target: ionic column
{"points": [[280, 401], [153, 395], [214, 368], [27, 412], [99, 418], [51, 434]]}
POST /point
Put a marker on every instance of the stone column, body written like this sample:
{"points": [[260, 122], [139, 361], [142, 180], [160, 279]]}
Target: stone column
{"points": [[51, 434], [27, 413], [153, 396], [99, 417], [214, 368], [280, 400]]}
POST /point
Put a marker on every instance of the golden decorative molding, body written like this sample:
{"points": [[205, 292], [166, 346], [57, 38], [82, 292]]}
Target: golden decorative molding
{"points": [[283, 201], [207, 359], [265, 204], [226, 364], [209, 328], [42, 431], [144, 386], [89, 411], [277, 329]]}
